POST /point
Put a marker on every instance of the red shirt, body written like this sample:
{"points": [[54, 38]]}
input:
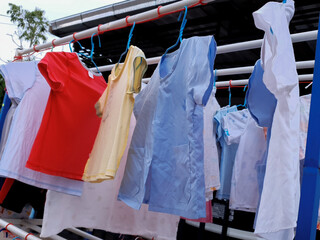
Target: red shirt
{"points": [[70, 124]]}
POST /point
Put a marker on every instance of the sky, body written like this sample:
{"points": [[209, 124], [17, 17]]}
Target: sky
{"points": [[54, 9]]}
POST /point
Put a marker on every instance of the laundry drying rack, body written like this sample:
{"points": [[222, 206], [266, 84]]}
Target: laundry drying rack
{"points": [[310, 192]]}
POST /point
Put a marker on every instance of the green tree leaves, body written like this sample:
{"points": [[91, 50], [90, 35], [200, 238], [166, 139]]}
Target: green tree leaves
{"points": [[32, 25]]}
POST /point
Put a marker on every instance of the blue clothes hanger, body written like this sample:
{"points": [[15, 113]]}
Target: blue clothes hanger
{"points": [[245, 99], [183, 24], [215, 78], [128, 44], [80, 47], [229, 89], [91, 52]]}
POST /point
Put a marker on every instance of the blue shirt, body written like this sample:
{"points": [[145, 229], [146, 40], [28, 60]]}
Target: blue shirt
{"points": [[228, 154], [165, 160]]}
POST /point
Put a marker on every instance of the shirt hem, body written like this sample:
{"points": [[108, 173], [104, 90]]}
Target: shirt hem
{"points": [[128, 201], [39, 184], [54, 172], [177, 212]]}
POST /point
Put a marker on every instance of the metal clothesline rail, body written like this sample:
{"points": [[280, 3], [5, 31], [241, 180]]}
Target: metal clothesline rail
{"points": [[121, 23], [243, 82], [228, 48], [17, 231]]}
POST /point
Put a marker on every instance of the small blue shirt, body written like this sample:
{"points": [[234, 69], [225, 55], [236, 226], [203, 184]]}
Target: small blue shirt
{"points": [[165, 160], [228, 154]]}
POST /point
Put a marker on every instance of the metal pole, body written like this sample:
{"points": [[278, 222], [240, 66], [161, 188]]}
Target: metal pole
{"points": [[242, 82], [83, 234], [310, 189], [17, 231], [124, 22], [220, 72]]}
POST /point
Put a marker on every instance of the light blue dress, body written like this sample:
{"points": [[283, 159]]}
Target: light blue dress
{"points": [[165, 160]]}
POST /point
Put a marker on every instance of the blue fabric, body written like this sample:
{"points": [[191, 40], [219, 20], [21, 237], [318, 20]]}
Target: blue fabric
{"points": [[165, 160], [261, 105], [228, 154], [4, 110], [261, 102]]}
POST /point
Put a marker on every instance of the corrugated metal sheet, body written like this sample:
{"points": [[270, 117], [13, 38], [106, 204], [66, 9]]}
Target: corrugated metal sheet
{"points": [[81, 21]]}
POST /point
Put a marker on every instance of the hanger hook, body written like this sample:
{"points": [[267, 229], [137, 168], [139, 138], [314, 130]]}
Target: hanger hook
{"points": [[130, 35], [92, 50], [75, 42], [128, 43], [229, 89], [183, 24], [215, 77], [92, 43], [70, 45]]}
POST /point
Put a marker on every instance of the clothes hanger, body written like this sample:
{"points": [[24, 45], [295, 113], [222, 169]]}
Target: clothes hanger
{"points": [[229, 89], [215, 77], [128, 45], [82, 48], [183, 24], [245, 99], [91, 51]]}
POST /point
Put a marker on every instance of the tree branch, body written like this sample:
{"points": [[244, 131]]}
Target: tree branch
{"points": [[11, 35], [3, 60]]}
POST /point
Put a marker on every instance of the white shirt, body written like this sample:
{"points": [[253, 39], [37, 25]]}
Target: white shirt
{"points": [[211, 157], [304, 121], [278, 210], [99, 208], [26, 86], [243, 130]]}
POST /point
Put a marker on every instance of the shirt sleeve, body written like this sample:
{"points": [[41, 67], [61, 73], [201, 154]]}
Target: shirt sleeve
{"points": [[19, 77], [139, 68], [202, 82], [53, 68]]}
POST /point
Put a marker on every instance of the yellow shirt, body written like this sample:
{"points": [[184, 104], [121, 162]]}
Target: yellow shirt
{"points": [[116, 106]]}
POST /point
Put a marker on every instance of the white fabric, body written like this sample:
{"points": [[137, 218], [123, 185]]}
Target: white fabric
{"points": [[27, 87], [278, 210], [98, 208], [211, 157], [243, 130], [304, 121]]}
